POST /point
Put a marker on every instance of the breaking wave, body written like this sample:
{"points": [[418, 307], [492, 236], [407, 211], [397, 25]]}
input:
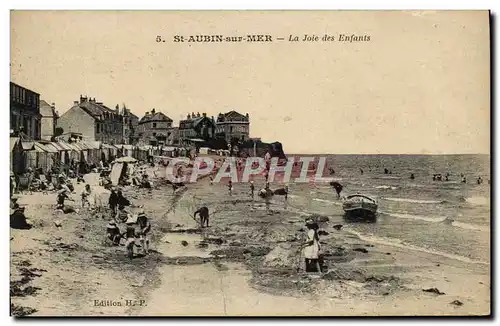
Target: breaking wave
{"points": [[416, 201], [385, 187], [400, 244], [338, 203], [477, 201], [416, 217], [466, 226]]}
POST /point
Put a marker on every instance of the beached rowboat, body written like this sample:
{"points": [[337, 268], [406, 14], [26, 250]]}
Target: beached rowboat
{"points": [[360, 205]]}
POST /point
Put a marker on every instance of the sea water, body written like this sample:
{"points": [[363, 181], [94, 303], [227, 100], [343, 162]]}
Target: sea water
{"points": [[447, 217]]}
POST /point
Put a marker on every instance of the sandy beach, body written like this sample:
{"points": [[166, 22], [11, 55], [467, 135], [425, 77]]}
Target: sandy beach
{"points": [[246, 263]]}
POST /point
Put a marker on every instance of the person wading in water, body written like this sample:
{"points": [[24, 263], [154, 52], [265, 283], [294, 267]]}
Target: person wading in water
{"points": [[252, 189], [204, 215], [338, 187]]}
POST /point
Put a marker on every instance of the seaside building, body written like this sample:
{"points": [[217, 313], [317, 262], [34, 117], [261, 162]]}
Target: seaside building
{"points": [[25, 118], [130, 126], [94, 121], [196, 128], [48, 120], [155, 128], [234, 127]]}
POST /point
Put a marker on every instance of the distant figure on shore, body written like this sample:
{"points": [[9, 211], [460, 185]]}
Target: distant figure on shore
{"points": [[204, 216], [464, 179], [412, 176], [447, 177], [230, 187], [332, 171], [337, 186], [386, 171], [252, 189], [361, 171], [113, 202], [479, 180]]}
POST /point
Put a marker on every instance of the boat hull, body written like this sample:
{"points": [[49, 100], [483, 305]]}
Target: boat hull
{"points": [[360, 210]]}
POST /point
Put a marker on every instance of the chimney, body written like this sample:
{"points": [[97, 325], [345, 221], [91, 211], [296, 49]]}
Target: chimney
{"points": [[189, 116], [193, 115], [53, 105], [153, 111], [147, 113], [198, 115], [76, 102], [204, 114]]}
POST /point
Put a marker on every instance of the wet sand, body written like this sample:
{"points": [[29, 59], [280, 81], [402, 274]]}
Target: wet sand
{"points": [[247, 264]]}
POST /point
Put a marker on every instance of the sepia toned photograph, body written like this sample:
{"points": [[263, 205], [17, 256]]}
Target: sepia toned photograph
{"points": [[250, 163]]}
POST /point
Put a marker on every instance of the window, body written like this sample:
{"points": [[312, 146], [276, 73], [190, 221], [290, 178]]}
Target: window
{"points": [[154, 124], [97, 128]]}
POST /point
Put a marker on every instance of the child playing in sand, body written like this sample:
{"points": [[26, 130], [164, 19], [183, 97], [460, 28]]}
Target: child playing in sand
{"points": [[86, 192]]}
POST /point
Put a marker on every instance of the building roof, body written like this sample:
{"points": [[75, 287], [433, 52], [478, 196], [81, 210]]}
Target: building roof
{"points": [[64, 145], [157, 116], [46, 110], [128, 113], [43, 147], [13, 142], [233, 114], [93, 108], [27, 145]]}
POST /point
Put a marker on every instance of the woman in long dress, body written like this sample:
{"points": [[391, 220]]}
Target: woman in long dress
{"points": [[312, 247]]}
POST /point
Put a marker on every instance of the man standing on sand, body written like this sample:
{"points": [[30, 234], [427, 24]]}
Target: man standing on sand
{"points": [[230, 187], [113, 202]]}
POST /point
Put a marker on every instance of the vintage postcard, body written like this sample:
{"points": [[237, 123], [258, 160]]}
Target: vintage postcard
{"points": [[250, 163]]}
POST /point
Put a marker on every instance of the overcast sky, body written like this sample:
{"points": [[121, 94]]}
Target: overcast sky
{"points": [[420, 85]]}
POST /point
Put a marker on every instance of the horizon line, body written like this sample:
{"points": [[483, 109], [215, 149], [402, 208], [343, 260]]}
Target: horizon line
{"points": [[428, 154]]}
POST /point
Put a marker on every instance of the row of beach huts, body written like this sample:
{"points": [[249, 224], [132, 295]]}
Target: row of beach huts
{"points": [[43, 155]]}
